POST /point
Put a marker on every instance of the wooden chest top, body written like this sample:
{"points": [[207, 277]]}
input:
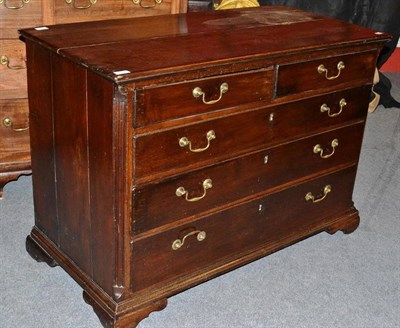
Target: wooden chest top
{"points": [[126, 49]]}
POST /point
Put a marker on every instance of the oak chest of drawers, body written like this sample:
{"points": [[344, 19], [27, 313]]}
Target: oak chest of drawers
{"points": [[16, 14], [158, 164]]}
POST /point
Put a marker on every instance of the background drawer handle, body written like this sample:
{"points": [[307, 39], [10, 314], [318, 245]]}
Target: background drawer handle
{"points": [[311, 197], [183, 142], [6, 62], [91, 2], [325, 108], [8, 123], [207, 184], [201, 235], [197, 92], [321, 70], [318, 149], [139, 2], [23, 2]]}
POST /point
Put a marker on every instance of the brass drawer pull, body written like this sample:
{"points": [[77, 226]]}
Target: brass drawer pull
{"points": [[139, 2], [183, 142], [4, 60], [197, 92], [325, 108], [91, 2], [321, 70], [311, 197], [318, 149], [207, 184], [8, 123], [23, 2], [201, 235]]}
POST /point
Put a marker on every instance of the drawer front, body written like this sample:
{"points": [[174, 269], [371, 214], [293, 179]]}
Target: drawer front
{"points": [[228, 233], [12, 69], [67, 11], [16, 14], [258, 172], [164, 153], [14, 133], [161, 103], [325, 73]]}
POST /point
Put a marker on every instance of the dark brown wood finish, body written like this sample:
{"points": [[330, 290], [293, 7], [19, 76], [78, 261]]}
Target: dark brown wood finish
{"points": [[229, 232], [101, 176], [71, 163], [220, 31], [246, 177], [157, 104], [121, 201], [160, 154], [359, 66], [42, 141]]}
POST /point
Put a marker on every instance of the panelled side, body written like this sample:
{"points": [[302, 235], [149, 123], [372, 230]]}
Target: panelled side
{"points": [[72, 134], [83, 141], [71, 156], [41, 139]]}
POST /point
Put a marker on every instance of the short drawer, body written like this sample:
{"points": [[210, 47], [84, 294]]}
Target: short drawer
{"points": [[14, 134], [17, 14], [167, 102], [222, 237], [208, 188], [67, 11], [325, 72], [173, 151], [12, 69]]}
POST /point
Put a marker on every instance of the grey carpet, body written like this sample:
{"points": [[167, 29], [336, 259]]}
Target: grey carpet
{"points": [[325, 281]]}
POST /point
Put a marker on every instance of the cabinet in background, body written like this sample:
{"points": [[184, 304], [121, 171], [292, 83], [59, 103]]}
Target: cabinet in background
{"points": [[17, 14]]}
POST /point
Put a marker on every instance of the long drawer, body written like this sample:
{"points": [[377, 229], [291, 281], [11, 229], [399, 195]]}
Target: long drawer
{"points": [[208, 188], [200, 244], [184, 148]]}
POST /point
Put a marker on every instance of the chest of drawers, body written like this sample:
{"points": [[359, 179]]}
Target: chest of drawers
{"points": [[169, 150], [16, 14]]}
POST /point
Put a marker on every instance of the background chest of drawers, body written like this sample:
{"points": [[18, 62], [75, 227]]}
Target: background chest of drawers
{"points": [[16, 14], [178, 167]]}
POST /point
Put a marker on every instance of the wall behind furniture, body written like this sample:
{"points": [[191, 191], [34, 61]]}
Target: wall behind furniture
{"points": [[393, 63]]}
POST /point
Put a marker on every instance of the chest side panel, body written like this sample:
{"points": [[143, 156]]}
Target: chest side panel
{"points": [[72, 138], [41, 136]]}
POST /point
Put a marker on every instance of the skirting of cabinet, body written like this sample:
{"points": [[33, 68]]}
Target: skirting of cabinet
{"points": [[8, 176], [14, 140]]}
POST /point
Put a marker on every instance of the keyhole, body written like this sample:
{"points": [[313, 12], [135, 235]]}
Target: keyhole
{"points": [[271, 117]]}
